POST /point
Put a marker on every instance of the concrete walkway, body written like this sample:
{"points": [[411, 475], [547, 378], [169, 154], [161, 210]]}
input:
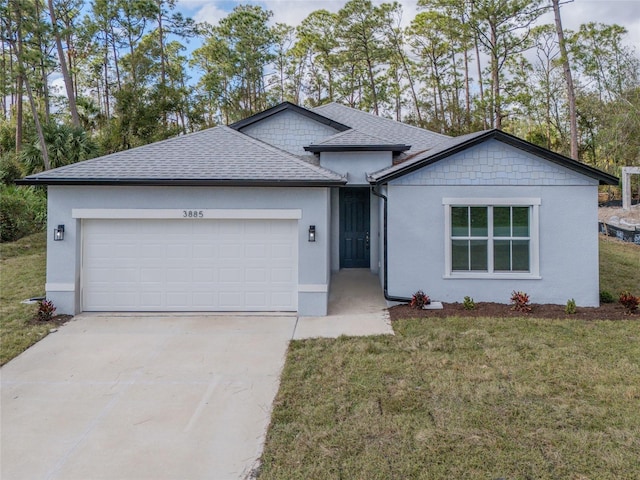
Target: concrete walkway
{"points": [[356, 307], [160, 396]]}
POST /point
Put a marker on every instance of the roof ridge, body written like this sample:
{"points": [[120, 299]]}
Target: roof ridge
{"points": [[396, 122], [352, 131], [322, 171]]}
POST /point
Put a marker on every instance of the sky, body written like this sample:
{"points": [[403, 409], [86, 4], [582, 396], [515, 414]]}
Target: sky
{"points": [[292, 12]]}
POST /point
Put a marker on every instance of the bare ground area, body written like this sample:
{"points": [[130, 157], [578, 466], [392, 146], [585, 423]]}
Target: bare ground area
{"points": [[619, 217]]}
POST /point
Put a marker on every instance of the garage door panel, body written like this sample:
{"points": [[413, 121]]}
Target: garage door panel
{"points": [[203, 275], [283, 275], [151, 250], [151, 298], [198, 265], [257, 275], [230, 299], [255, 251], [204, 251], [151, 275]]}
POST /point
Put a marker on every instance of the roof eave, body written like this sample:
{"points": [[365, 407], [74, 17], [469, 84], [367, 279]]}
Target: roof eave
{"points": [[288, 106], [603, 177], [396, 148], [169, 182]]}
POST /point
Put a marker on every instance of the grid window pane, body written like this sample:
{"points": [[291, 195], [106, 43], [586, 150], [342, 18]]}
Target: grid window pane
{"points": [[501, 221], [479, 225], [505, 239], [460, 255], [478, 255], [520, 221], [520, 250], [459, 221], [502, 255]]}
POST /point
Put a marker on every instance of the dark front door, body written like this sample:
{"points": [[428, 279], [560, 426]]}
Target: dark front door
{"points": [[354, 228]]}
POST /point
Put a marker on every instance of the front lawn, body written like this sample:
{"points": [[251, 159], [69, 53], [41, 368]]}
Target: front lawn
{"points": [[619, 266], [483, 398], [22, 276], [461, 398]]}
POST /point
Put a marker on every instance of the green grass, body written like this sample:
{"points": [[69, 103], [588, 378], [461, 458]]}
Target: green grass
{"points": [[619, 266], [466, 398], [22, 276], [461, 398]]}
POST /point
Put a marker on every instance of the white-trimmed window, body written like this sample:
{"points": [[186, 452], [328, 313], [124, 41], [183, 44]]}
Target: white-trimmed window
{"points": [[491, 237]]}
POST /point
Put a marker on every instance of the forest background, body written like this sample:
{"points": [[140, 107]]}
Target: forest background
{"points": [[81, 79]]}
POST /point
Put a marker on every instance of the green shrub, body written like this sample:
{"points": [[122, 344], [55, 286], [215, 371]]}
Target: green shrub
{"points": [[571, 307], [23, 210], [606, 297], [468, 303], [10, 169]]}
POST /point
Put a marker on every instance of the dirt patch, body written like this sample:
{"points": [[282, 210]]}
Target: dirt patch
{"points": [[619, 217], [607, 311]]}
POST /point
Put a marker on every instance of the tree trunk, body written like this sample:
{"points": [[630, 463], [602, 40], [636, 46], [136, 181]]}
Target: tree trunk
{"points": [[571, 94], [484, 110], [496, 113], [106, 79], [75, 119], [19, 113], [5, 70], [16, 46], [36, 121], [163, 69], [115, 58], [467, 92], [25, 80], [372, 80]]}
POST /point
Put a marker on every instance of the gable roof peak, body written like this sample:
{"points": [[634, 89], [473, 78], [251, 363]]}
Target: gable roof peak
{"points": [[455, 145], [288, 106]]}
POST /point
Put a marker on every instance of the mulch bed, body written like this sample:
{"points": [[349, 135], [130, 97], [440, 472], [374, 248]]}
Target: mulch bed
{"points": [[56, 321], [607, 311]]}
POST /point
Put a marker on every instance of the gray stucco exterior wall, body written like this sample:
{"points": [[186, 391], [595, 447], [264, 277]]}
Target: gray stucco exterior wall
{"points": [[64, 258], [289, 131], [568, 238], [355, 165]]}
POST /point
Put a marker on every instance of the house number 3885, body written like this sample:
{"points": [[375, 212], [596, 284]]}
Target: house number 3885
{"points": [[192, 214]]}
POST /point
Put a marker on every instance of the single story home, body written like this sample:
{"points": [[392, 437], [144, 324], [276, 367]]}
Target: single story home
{"points": [[255, 216]]}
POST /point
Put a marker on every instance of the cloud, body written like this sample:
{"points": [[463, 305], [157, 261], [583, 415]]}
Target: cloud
{"points": [[209, 13], [292, 12]]}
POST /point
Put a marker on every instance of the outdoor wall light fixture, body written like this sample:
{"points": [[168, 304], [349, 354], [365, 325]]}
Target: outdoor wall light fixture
{"points": [[312, 233], [58, 233]]}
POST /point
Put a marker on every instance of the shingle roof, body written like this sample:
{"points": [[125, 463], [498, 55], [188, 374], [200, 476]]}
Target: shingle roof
{"points": [[457, 144], [382, 128], [214, 156], [355, 140]]}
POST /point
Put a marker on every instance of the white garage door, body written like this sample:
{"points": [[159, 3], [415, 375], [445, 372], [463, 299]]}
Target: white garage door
{"points": [[190, 265]]}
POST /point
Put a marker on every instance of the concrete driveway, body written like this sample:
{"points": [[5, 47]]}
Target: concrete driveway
{"points": [[157, 397], [143, 397]]}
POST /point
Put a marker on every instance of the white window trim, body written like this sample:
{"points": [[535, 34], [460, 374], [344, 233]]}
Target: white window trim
{"points": [[534, 238]]}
